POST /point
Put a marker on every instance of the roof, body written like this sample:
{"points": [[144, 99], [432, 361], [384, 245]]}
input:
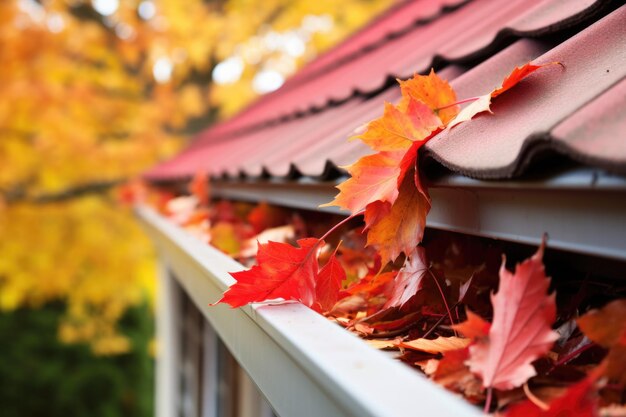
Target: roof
{"points": [[578, 111]]}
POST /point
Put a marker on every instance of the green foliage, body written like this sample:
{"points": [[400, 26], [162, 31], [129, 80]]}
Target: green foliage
{"points": [[43, 377]]}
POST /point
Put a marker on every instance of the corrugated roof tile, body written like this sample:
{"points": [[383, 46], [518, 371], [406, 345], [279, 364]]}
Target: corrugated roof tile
{"points": [[596, 133], [488, 147], [461, 31], [500, 146]]}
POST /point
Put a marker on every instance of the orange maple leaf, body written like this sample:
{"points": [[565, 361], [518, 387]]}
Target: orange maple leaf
{"points": [[199, 187], [474, 327], [373, 178], [372, 284], [607, 327], [225, 237], [401, 228], [483, 103], [431, 90], [397, 129], [521, 331], [397, 135]]}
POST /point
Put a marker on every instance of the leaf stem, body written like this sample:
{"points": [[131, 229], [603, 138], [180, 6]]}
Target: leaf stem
{"points": [[432, 329], [443, 297], [488, 400], [467, 100], [565, 359], [534, 399], [341, 223]]}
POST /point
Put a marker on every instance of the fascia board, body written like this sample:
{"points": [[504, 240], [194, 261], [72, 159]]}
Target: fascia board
{"points": [[302, 363], [582, 210]]}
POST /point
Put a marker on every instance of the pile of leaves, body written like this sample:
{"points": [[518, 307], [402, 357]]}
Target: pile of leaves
{"points": [[453, 311]]}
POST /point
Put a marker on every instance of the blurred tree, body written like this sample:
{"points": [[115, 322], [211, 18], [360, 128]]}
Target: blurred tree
{"points": [[42, 377], [94, 92]]}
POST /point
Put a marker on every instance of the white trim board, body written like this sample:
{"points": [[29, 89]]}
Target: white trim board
{"points": [[304, 365]]}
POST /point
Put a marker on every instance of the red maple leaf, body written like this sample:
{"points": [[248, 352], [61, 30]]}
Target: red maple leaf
{"points": [[265, 216], [579, 400], [517, 75], [521, 332], [283, 271], [329, 283]]}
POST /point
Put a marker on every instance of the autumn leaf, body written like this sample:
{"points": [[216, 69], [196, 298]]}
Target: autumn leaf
{"points": [[607, 327], [438, 345], [382, 344], [480, 105], [283, 271], [328, 284], [372, 284], [397, 135], [409, 279], [431, 90], [224, 211], [281, 234], [453, 362], [356, 259], [616, 363], [372, 178], [374, 213], [464, 288], [452, 373], [181, 209], [80, 105], [265, 216], [397, 129], [199, 187], [402, 229], [483, 103], [517, 75], [474, 327], [224, 237], [409, 165], [580, 400], [521, 331], [132, 192]]}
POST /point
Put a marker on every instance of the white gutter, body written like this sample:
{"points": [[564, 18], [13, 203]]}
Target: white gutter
{"points": [[305, 365]]}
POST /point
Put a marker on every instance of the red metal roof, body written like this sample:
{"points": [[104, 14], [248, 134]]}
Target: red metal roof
{"points": [[577, 111]]}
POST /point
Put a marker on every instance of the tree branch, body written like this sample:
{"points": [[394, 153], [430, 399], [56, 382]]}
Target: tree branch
{"points": [[19, 195]]}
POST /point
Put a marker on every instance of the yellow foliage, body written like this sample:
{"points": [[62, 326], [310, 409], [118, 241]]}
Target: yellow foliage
{"points": [[87, 98], [87, 251]]}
